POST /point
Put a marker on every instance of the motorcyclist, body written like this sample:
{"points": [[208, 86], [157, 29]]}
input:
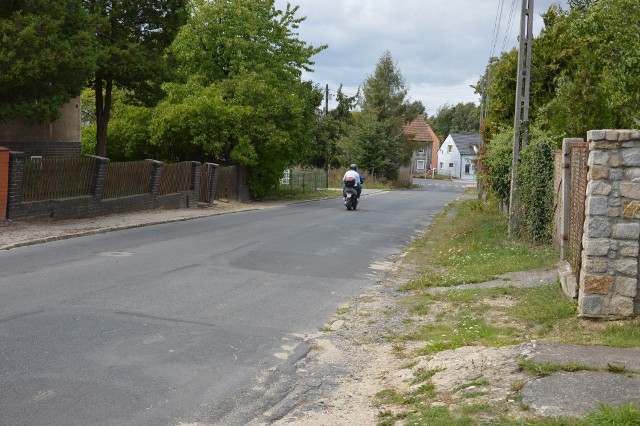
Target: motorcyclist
{"points": [[352, 173]]}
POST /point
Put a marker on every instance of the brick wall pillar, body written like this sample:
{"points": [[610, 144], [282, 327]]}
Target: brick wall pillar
{"points": [[99, 177], [4, 181], [611, 239], [214, 171], [154, 180], [16, 176], [192, 201]]}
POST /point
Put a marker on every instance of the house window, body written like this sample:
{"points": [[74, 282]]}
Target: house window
{"points": [[450, 165], [441, 166], [449, 149], [467, 169], [420, 165], [421, 151]]}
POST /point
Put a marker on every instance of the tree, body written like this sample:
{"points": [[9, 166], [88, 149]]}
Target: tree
{"points": [[240, 98], [132, 36], [583, 70], [461, 118], [227, 38], [377, 141], [47, 53], [329, 130]]}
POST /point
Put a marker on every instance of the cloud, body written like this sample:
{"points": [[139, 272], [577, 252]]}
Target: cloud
{"points": [[440, 46]]}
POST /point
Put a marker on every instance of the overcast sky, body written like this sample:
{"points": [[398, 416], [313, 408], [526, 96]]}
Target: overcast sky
{"points": [[440, 46]]}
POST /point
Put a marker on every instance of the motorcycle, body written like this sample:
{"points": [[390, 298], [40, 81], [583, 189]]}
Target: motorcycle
{"points": [[351, 194]]}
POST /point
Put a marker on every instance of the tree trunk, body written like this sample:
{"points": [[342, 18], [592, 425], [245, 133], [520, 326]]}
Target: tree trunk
{"points": [[103, 112]]}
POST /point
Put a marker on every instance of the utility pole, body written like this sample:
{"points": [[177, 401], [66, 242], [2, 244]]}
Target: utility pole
{"points": [[326, 100], [484, 108], [326, 147], [521, 119]]}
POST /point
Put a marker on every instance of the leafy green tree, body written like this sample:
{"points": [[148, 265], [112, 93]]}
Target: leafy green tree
{"points": [[376, 141], [497, 165], [584, 70], [47, 53], [132, 36], [239, 98], [329, 130], [535, 188], [228, 38], [500, 88], [581, 5], [461, 118]]}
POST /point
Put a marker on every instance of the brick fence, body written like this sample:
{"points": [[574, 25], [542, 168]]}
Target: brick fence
{"points": [[93, 203]]}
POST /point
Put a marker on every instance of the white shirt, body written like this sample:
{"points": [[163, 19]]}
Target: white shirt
{"points": [[353, 174]]}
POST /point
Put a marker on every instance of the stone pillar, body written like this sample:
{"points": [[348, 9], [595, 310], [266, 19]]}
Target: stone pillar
{"points": [[609, 276]]}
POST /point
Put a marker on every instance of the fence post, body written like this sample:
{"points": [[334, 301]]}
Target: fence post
{"points": [[99, 177], [154, 179], [566, 188], [214, 170], [16, 177], [4, 181], [192, 201]]}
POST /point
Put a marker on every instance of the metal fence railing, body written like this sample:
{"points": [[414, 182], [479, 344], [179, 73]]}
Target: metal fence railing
{"points": [[578, 185], [296, 180], [127, 178], [51, 178], [175, 177]]}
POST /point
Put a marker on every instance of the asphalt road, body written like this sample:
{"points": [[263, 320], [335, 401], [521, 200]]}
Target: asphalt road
{"points": [[177, 322]]}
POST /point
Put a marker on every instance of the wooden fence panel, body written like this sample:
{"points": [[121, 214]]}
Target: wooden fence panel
{"points": [[51, 178], [127, 178], [175, 177]]}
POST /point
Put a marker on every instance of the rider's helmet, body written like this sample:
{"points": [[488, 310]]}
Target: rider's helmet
{"points": [[353, 167]]}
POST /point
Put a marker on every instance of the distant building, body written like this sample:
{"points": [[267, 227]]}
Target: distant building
{"points": [[59, 138], [457, 155], [426, 156]]}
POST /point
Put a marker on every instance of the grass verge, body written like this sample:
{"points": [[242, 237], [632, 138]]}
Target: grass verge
{"points": [[467, 243]]}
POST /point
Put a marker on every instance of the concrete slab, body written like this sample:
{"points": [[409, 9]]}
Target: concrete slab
{"points": [[593, 356], [577, 393]]}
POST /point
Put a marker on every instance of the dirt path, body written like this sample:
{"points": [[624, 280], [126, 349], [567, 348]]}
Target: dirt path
{"points": [[356, 362]]}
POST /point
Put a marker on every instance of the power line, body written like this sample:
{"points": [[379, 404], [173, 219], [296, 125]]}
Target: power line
{"points": [[510, 21], [496, 27]]}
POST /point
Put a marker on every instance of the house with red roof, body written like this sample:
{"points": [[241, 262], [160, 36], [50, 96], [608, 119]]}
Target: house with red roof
{"points": [[424, 158]]}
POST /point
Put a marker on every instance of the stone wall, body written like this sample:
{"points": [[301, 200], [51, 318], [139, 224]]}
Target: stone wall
{"points": [[609, 275]]}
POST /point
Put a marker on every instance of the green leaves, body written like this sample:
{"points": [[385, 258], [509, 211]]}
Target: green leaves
{"points": [[47, 53], [376, 140], [225, 39]]}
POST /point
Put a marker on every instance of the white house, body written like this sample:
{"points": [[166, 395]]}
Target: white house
{"points": [[457, 155]]}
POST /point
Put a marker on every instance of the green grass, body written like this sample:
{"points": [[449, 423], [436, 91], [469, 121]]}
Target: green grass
{"points": [[474, 248], [343, 310], [468, 243]]}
